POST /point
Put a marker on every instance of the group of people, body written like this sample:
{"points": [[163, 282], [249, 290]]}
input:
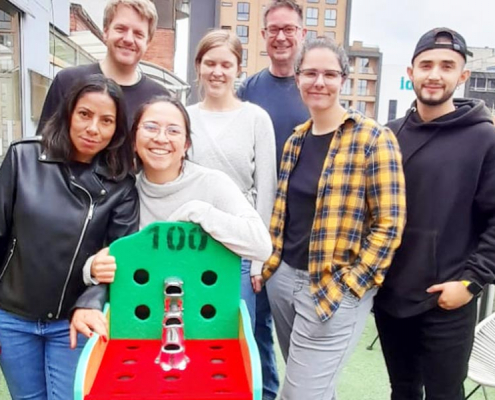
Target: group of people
{"points": [[319, 247]]}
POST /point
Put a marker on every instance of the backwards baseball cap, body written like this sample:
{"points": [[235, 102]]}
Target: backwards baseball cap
{"points": [[442, 38]]}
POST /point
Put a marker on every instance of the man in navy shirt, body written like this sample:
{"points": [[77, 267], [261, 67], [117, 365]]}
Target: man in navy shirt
{"points": [[275, 90]]}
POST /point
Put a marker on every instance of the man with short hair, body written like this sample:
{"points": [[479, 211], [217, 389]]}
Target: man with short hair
{"points": [[426, 310], [128, 27], [275, 90]]}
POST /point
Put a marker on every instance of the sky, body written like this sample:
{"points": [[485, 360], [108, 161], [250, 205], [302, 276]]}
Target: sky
{"points": [[396, 25]]}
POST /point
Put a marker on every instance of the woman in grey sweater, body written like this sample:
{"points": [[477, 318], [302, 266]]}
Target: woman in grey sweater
{"points": [[233, 136], [172, 188]]}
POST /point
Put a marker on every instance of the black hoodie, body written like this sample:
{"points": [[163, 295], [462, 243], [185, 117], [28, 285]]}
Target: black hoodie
{"points": [[449, 165]]}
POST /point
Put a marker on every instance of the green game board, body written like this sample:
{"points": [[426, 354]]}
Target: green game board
{"points": [[211, 274]]}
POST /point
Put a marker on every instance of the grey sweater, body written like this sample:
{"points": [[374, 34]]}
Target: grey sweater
{"points": [[211, 199], [243, 148]]}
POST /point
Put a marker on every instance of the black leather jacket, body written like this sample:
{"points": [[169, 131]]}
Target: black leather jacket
{"points": [[53, 216]]}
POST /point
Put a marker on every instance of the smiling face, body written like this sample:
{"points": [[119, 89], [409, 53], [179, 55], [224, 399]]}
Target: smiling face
{"points": [[217, 71], [280, 48], [162, 153], [92, 125], [435, 74], [319, 90], [126, 36]]}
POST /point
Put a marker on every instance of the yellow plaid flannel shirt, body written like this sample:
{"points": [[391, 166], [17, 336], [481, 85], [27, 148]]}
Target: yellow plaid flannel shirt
{"points": [[360, 210]]}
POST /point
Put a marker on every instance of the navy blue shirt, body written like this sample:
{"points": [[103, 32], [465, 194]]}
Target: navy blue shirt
{"points": [[280, 97], [301, 199]]}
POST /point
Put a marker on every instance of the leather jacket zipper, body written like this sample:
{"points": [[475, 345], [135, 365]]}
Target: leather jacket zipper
{"points": [[89, 216], [12, 249]]}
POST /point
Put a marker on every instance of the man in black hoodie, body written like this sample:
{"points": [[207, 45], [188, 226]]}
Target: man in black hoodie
{"points": [[426, 309]]}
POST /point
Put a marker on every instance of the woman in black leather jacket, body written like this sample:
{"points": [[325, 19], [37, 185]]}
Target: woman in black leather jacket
{"points": [[62, 198]]}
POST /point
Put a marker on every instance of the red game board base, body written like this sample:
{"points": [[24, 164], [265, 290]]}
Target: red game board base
{"points": [[128, 372]]}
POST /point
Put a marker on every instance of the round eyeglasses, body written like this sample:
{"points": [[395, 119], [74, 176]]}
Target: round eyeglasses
{"points": [[310, 75], [152, 130]]}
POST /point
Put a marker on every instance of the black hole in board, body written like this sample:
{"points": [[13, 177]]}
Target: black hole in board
{"points": [[129, 362], [133, 347], [217, 360], [170, 378], [173, 321], [125, 377], [173, 289], [209, 278], [208, 311], [141, 276], [216, 347], [142, 312], [219, 376], [171, 347]]}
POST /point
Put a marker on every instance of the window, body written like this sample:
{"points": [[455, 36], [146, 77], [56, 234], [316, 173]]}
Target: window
{"points": [[311, 16], [39, 85], [65, 53], [243, 33], [472, 83], [226, 27], [347, 87], [226, 4], [364, 65], [361, 106], [331, 1], [311, 34], [10, 88], [242, 11], [330, 34], [5, 21], [313, 1], [243, 76], [480, 84], [392, 110], [330, 17], [362, 88], [244, 58]]}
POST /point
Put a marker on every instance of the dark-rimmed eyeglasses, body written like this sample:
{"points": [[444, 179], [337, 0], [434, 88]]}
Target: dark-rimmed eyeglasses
{"points": [[289, 30]]}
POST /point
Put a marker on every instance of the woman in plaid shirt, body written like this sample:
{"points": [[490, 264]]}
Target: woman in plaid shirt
{"points": [[337, 220]]}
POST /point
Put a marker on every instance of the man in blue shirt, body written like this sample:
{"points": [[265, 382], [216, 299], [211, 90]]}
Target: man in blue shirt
{"points": [[275, 90]]}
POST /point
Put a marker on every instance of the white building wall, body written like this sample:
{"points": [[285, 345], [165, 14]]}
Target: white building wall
{"points": [[36, 17], [395, 85]]}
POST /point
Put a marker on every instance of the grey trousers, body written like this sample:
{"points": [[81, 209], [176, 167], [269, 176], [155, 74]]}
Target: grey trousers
{"points": [[314, 351]]}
